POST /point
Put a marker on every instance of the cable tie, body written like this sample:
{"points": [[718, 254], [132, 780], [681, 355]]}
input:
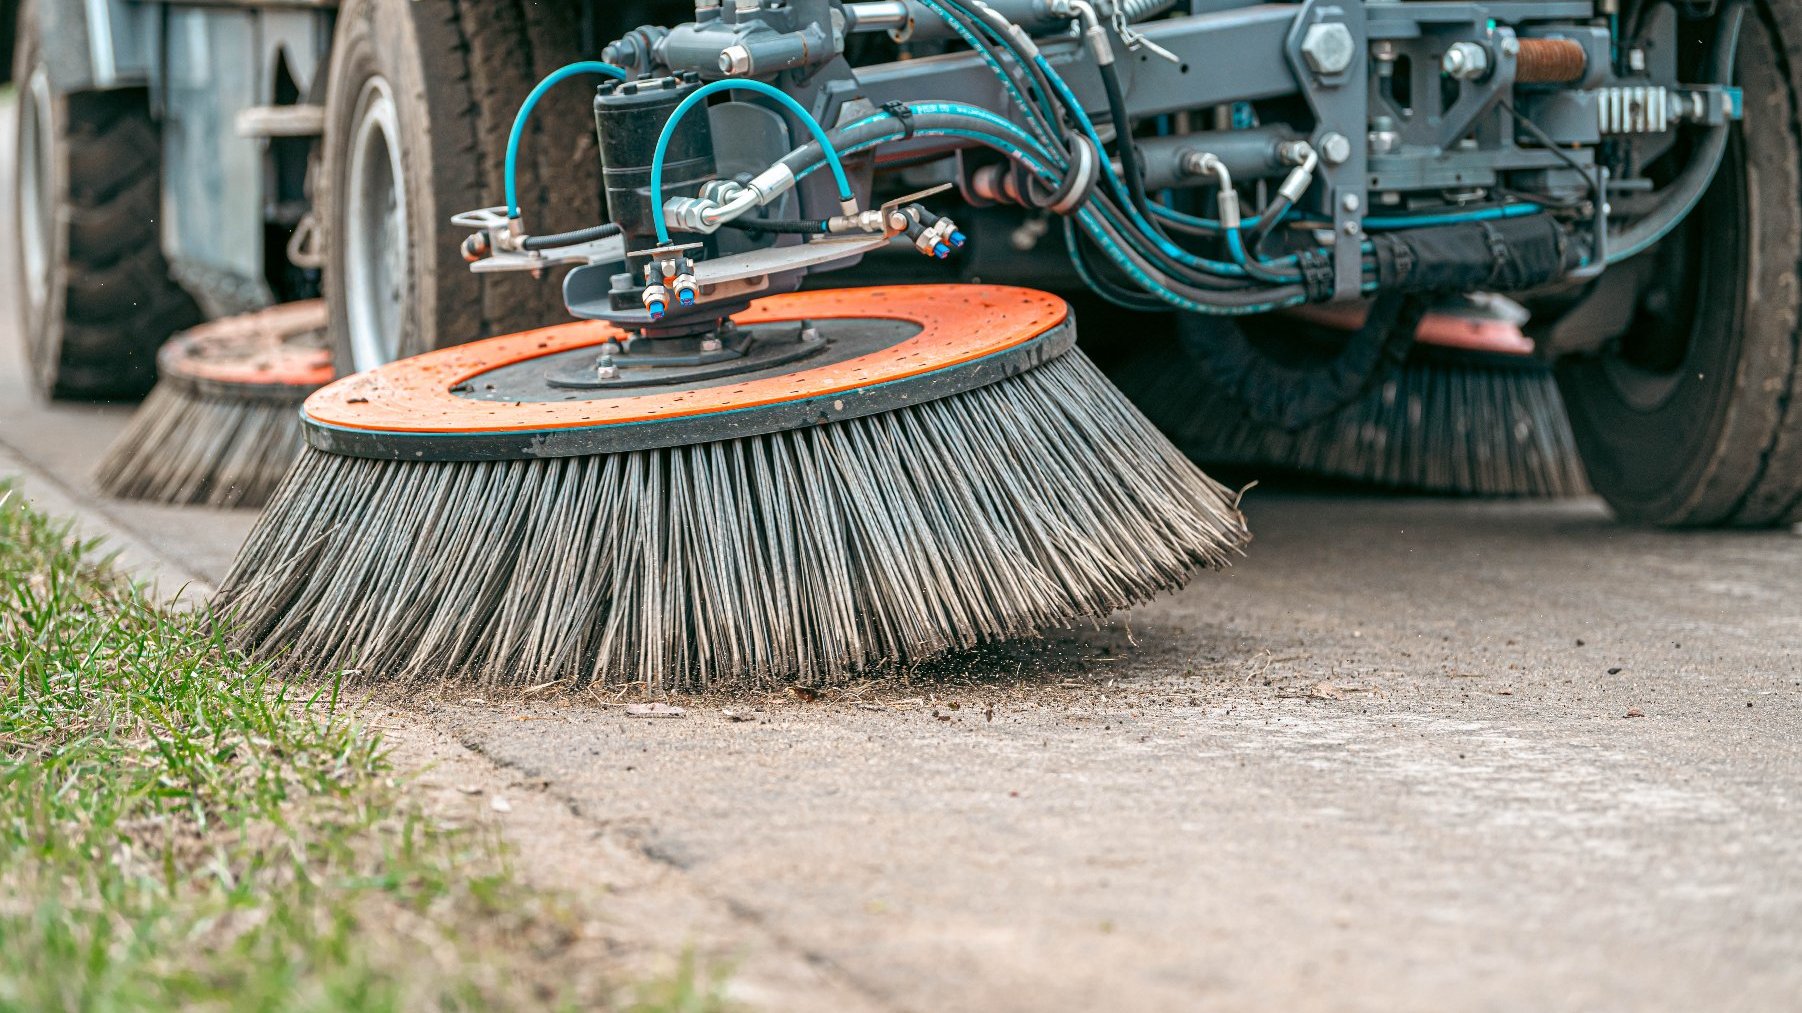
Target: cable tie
{"points": [[1318, 277], [900, 111]]}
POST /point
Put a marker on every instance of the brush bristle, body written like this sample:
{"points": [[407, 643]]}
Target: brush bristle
{"points": [[802, 556], [1436, 426], [191, 449]]}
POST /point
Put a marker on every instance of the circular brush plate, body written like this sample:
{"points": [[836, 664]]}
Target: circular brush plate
{"points": [[277, 354], [884, 348]]}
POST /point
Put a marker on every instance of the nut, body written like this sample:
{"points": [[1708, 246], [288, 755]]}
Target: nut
{"points": [[735, 59], [1328, 48], [1465, 61]]}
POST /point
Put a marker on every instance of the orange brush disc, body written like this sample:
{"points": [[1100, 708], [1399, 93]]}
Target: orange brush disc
{"points": [[278, 353], [878, 349]]}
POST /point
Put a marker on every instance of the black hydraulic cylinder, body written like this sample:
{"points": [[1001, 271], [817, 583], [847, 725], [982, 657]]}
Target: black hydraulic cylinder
{"points": [[628, 117]]}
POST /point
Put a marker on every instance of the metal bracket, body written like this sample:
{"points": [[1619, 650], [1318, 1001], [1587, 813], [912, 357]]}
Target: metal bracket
{"points": [[501, 259], [1338, 98]]}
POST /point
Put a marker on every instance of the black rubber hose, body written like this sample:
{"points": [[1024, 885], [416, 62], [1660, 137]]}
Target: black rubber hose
{"points": [[1256, 299], [1129, 152], [587, 235], [1045, 131], [792, 226], [1267, 223]]}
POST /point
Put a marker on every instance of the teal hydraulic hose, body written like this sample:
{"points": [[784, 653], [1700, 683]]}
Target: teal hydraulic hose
{"points": [[1450, 217], [738, 84], [525, 113]]}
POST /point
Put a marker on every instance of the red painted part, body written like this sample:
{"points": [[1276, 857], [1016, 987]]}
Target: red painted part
{"points": [[1445, 330], [282, 346], [957, 323]]}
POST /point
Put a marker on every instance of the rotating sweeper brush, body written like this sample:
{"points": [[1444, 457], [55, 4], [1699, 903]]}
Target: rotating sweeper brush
{"points": [[839, 480], [222, 425]]}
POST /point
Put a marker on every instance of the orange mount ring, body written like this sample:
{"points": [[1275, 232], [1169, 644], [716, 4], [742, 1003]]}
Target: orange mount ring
{"points": [[967, 336], [275, 354]]}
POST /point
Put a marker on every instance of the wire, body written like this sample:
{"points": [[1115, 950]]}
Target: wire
{"points": [[525, 113], [1591, 182], [700, 95]]}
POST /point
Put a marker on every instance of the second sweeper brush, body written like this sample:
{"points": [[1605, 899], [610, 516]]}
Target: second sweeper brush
{"points": [[880, 476], [1468, 413], [222, 425]]}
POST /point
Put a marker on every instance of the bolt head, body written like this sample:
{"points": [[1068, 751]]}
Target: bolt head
{"points": [[1335, 148], [1636, 60], [1328, 48]]}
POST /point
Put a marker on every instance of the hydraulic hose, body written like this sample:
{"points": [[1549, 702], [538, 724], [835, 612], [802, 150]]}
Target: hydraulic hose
{"points": [[587, 235], [525, 113], [700, 95], [786, 226]]}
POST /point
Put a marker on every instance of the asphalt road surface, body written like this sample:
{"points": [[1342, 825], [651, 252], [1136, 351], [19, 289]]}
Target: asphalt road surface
{"points": [[1408, 754]]}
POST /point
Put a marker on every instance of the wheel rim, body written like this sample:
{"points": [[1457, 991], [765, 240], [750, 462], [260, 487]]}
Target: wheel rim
{"points": [[36, 177], [376, 253]]}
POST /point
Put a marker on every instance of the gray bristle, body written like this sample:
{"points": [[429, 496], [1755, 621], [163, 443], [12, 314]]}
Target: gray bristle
{"points": [[1435, 426], [803, 556], [190, 449]]}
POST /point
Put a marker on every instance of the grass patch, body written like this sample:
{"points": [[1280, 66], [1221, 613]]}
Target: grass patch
{"points": [[178, 829]]}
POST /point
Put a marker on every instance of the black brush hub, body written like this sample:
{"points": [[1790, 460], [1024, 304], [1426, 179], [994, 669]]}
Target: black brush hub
{"points": [[650, 362]]}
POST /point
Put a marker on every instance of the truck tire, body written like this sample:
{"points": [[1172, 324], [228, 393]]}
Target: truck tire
{"points": [[1694, 417], [95, 299], [419, 102]]}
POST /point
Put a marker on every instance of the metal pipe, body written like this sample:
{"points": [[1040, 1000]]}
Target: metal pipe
{"points": [[877, 16]]}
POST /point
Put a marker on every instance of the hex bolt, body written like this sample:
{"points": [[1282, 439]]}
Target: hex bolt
{"points": [[710, 344], [1328, 48], [735, 59], [605, 369], [1636, 60], [1350, 202], [1383, 51], [1335, 148], [1510, 46]]}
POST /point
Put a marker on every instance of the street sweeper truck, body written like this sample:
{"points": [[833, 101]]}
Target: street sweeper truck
{"points": [[1379, 232]]}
